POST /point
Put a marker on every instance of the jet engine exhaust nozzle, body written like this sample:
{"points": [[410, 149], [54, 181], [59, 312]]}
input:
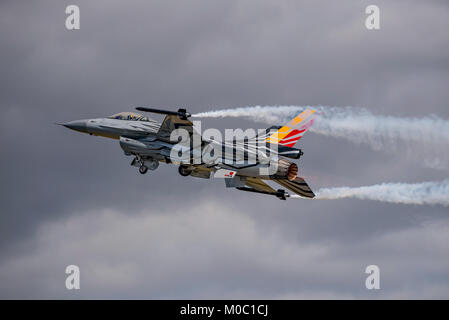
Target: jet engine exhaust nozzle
{"points": [[286, 170]]}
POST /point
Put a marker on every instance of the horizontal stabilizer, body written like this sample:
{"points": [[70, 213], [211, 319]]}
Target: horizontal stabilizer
{"points": [[258, 184], [298, 186]]}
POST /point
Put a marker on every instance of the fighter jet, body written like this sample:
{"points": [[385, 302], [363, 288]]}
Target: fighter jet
{"points": [[244, 164]]}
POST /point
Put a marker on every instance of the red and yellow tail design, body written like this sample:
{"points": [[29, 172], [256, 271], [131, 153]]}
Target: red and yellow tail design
{"points": [[290, 133]]}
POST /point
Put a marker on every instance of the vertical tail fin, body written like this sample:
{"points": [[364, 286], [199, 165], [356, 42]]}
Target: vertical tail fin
{"points": [[291, 132]]}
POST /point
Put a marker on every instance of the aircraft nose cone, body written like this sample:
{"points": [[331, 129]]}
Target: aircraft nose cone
{"points": [[78, 125]]}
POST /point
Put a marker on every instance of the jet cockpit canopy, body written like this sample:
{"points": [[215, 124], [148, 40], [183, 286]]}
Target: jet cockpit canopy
{"points": [[129, 116]]}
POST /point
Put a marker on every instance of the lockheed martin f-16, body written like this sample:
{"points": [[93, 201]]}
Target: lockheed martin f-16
{"points": [[245, 164]]}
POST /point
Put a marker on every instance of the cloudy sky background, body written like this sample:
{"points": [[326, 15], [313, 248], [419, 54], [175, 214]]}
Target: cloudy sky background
{"points": [[68, 198]]}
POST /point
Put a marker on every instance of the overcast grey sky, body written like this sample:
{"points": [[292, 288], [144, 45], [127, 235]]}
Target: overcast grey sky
{"points": [[69, 198]]}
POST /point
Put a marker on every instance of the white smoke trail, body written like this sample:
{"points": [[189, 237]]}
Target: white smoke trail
{"points": [[265, 114], [426, 138], [405, 193]]}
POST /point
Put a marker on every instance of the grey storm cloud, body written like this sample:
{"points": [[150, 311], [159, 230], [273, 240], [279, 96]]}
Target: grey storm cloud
{"points": [[205, 251], [68, 198]]}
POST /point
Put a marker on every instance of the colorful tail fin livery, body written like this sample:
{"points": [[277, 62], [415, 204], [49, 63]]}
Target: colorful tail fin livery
{"points": [[290, 133]]}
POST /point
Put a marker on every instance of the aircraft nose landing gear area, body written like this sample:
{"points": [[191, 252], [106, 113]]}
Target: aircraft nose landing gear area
{"points": [[143, 169], [145, 164]]}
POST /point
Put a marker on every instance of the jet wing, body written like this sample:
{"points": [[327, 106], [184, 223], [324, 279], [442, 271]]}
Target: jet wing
{"points": [[298, 186], [258, 184], [172, 122]]}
